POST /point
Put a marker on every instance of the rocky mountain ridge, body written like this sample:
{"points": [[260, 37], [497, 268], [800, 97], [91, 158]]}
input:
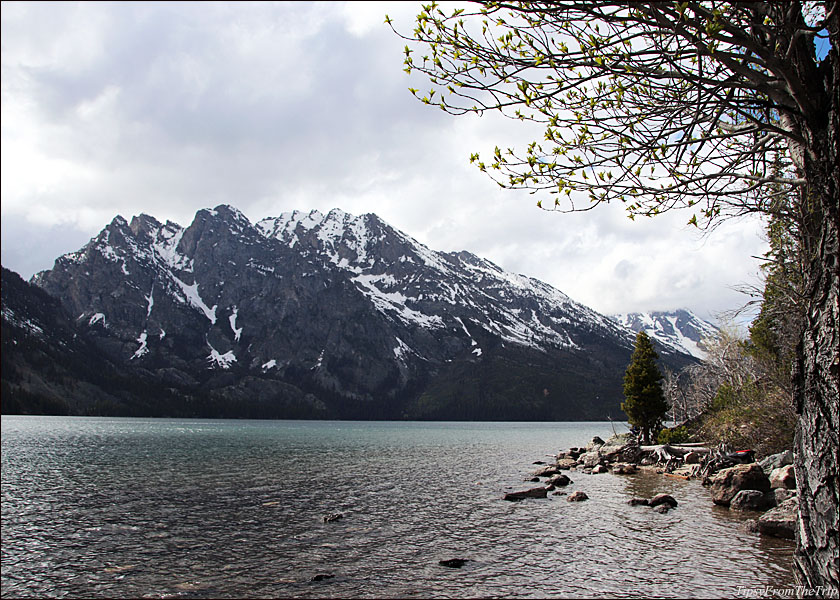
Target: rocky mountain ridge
{"points": [[338, 315], [681, 330]]}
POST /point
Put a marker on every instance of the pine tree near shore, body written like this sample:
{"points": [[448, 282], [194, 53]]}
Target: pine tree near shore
{"points": [[644, 402]]}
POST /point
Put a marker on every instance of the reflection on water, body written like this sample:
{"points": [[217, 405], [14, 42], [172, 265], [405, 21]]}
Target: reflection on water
{"points": [[133, 507]]}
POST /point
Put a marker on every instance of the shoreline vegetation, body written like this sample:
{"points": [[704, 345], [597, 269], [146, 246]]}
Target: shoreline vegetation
{"points": [[734, 479]]}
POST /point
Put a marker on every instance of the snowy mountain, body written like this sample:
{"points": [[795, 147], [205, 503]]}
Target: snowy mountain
{"points": [[338, 315], [679, 330]]}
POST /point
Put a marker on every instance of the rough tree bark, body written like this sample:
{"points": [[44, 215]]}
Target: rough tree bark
{"points": [[816, 389]]}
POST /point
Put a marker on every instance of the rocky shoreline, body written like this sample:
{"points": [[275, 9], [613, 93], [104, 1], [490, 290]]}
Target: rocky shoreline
{"points": [[767, 486]]}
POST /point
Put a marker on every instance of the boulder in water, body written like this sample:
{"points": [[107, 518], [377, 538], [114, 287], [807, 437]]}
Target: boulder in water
{"points": [[660, 499], [727, 483], [559, 480], [539, 492], [546, 471], [780, 521], [749, 500], [453, 563]]}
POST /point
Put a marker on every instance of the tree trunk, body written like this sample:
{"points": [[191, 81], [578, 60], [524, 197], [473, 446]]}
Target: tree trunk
{"points": [[816, 389], [816, 442]]}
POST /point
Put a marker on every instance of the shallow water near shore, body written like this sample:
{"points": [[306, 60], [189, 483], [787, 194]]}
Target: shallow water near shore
{"points": [[100, 507]]}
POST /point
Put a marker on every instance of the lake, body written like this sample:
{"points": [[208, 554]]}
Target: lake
{"points": [[117, 508]]}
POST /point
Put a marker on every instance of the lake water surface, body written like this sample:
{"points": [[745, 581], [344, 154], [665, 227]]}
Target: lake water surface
{"points": [[100, 507]]}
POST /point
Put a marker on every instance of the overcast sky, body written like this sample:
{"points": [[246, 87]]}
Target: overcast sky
{"points": [[167, 108]]}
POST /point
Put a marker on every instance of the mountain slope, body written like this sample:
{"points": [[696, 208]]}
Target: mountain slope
{"points": [[679, 330], [346, 311]]}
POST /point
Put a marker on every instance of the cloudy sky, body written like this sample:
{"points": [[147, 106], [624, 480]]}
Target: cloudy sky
{"points": [[166, 108]]}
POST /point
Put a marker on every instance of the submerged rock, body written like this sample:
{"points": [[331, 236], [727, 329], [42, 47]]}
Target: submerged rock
{"points": [[638, 502], [559, 480], [663, 499], [577, 496], [662, 508], [453, 563], [333, 517], [322, 577], [539, 492]]}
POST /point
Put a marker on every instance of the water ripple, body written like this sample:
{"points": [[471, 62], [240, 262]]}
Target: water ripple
{"points": [[213, 509]]}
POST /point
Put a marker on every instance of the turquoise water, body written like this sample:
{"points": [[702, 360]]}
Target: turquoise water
{"points": [[98, 507]]}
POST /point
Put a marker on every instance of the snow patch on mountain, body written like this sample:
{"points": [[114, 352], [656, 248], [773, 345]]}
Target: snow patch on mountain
{"points": [[221, 361], [237, 331], [194, 299], [143, 349], [681, 330]]}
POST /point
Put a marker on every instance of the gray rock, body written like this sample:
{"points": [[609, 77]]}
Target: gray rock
{"points": [[564, 464], [594, 444], [623, 446], [780, 521], [546, 471], [590, 459], [453, 563], [598, 469], [775, 461], [782, 494], [577, 496], [783, 477], [659, 499], [539, 492], [749, 500], [725, 484], [625, 469], [559, 480]]}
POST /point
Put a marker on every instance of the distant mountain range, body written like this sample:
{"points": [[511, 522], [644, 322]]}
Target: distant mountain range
{"points": [[680, 330], [306, 315]]}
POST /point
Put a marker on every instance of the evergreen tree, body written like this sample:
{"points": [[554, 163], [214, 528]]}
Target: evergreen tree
{"points": [[644, 402]]}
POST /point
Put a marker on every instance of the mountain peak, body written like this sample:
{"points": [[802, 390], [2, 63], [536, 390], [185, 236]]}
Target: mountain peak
{"points": [[344, 307], [680, 329]]}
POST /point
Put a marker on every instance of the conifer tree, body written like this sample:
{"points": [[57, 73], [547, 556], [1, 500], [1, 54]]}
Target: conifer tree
{"points": [[644, 402]]}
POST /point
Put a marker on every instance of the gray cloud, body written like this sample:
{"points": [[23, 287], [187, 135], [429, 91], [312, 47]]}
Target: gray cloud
{"points": [[166, 108]]}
